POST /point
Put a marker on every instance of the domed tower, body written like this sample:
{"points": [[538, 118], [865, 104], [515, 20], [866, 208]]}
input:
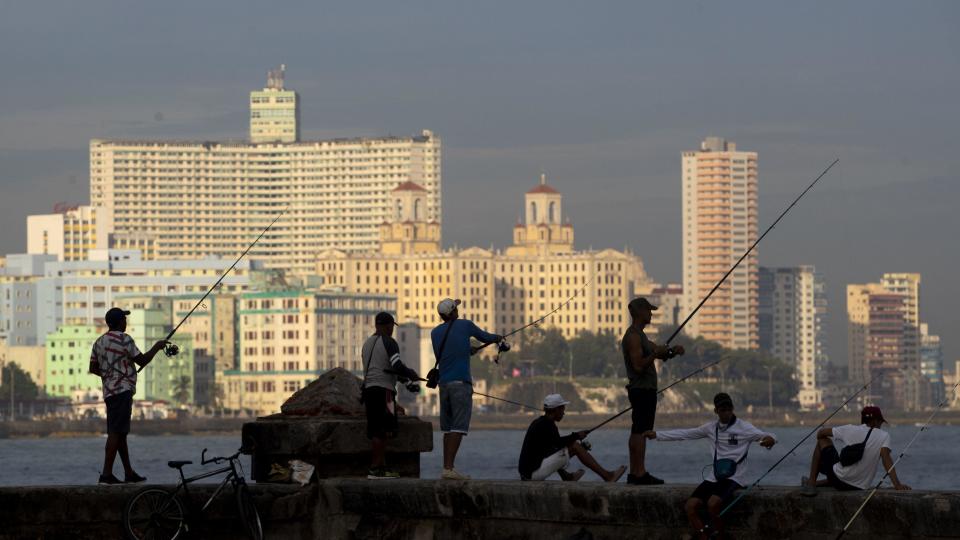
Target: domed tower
{"points": [[407, 230], [543, 230]]}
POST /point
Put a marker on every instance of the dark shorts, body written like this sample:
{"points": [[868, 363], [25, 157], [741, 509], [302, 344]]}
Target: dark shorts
{"points": [[723, 489], [119, 409], [644, 403], [381, 420], [828, 458]]}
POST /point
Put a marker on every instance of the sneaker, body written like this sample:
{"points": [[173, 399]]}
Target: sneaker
{"points": [[109, 479], [134, 478], [381, 473], [646, 480], [452, 474]]}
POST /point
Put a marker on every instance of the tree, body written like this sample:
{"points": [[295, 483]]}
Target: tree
{"points": [[181, 389], [24, 389], [597, 355]]}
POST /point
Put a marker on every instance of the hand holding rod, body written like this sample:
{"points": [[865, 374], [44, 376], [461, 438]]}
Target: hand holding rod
{"points": [[232, 266]]}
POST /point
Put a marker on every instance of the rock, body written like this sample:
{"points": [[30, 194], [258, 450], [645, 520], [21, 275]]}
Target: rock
{"points": [[335, 393]]}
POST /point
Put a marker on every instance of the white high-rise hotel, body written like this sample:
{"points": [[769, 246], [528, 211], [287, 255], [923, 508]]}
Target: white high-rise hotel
{"points": [[191, 199], [719, 223]]}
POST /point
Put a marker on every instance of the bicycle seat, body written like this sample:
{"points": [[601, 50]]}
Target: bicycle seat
{"points": [[178, 464]]}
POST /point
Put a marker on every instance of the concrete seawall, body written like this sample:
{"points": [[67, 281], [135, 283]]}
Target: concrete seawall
{"points": [[431, 509]]}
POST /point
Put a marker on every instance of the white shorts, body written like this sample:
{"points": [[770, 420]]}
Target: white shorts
{"points": [[551, 464]]}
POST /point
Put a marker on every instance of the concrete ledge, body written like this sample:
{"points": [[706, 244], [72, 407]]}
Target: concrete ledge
{"points": [[436, 509]]}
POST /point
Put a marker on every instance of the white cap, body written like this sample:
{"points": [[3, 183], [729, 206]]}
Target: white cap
{"points": [[446, 306], [553, 401]]}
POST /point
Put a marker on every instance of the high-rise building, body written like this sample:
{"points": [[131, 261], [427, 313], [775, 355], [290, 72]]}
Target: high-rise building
{"points": [[883, 338], [69, 233], [931, 362], [669, 313], [186, 200], [720, 219], [274, 111], [792, 311]]}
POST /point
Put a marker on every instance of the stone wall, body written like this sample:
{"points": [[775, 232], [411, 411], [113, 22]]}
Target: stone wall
{"points": [[433, 509]]}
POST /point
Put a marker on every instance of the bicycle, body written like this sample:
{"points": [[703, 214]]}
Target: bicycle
{"points": [[155, 513]]}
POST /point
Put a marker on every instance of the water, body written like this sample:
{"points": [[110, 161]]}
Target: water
{"points": [[931, 463]]}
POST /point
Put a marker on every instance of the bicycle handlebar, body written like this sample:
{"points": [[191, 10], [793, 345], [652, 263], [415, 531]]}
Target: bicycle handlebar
{"points": [[220, 459]]}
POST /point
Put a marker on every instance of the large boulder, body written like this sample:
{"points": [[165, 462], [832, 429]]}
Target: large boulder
{"points": [[335, 393]]}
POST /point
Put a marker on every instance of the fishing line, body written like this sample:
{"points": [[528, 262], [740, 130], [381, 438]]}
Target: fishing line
{"points": [[421, 379]]}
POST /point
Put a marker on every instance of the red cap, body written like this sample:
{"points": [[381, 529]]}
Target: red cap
{"points": [[871, 412]]}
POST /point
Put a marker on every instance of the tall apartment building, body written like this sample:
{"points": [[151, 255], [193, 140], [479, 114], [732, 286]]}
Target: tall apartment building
{"points": [[501, 290], [669, 314], [69, 233], [195, 199], [931, 363], [792, 312], [288, 338], [883, 338], [720, 219]]}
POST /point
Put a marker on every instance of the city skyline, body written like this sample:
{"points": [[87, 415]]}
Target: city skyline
{"points": [[608, 137]]}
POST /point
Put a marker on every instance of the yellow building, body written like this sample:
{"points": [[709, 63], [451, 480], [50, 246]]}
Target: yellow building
{"points": [[69, 233], [190, 199], [501, 290]]}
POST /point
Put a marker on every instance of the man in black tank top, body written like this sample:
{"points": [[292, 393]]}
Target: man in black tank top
{"points": [[638, 356]]}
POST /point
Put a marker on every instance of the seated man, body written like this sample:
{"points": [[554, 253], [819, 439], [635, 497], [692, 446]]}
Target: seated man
{"points": [[858, 474], [545, 452], [731, 439]]}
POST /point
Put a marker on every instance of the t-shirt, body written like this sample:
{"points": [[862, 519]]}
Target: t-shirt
{"points": [[730, 441], [861, 473], [455, 362], [542, 439], [646, 378], [380, 353], [114, 352]]}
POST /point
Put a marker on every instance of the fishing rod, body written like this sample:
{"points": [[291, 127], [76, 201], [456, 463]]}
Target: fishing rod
{"points": [[517, 403], [902, 453], [807, 436], [171, 349], [501, 349], [724, 278]]}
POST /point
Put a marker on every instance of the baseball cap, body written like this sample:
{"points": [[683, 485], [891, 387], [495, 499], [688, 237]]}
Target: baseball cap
{"points": [[553, 401], [640, 302], [384, 318], [871, 411], [114, 316], [722, 399], [447, 305]]}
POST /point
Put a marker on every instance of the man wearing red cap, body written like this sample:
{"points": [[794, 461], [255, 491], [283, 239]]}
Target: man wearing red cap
{"points": [[855, 466]]}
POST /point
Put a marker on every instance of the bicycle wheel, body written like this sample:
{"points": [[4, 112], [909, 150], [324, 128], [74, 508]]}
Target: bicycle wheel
{"points": [[248, 512], [153, 514]]}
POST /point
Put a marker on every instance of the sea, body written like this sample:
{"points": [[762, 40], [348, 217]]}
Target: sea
{"points": [[931, 463]]}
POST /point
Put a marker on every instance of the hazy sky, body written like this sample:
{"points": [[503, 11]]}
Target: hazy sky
{"points": [[601, 97]]}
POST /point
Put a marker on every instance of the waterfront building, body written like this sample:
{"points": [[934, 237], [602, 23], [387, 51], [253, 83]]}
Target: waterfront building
{"points": [[191, 199], [20, 312], [720, 217], [931, 363], [288, 338], [500, 290], [29, 358], [669, 314], [69, 233], [792, 311], [68, 362]]}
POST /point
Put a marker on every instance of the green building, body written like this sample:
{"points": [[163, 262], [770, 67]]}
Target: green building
{"points": [[165, 378], [68, 362]]}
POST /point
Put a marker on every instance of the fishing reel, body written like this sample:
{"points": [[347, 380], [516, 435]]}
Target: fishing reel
{"points": [[586, 445], [413, 387], [502, 347], [171, 350]]}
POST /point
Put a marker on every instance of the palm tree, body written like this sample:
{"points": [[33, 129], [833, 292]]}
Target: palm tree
{"points": [[181, 389]]}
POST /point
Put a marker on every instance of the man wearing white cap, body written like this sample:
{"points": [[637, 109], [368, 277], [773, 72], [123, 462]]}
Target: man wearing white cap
{"points": [[451, 347], [545, 452]]}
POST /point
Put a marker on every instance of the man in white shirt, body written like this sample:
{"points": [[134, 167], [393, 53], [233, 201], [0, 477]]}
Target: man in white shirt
{"points": [[857, 473], [731, 439]]}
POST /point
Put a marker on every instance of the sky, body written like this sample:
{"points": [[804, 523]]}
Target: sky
{"points": [[602, 98]]}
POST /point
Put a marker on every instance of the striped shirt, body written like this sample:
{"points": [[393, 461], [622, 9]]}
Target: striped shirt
{"points": [[114, 353]]}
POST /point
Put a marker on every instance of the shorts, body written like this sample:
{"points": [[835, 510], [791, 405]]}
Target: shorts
{"points": [[456, 404], [381, 412], [119, 409], [828, 458], [551, 464], [644, 403], [724, 489]]}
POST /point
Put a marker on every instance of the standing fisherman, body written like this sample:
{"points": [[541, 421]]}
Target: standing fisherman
{"points": [[451, 346], [382, 354], [114, 359], [638, 356]]}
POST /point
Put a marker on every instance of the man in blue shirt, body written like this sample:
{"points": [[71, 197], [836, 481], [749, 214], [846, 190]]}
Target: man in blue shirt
{"points": [[451, 347]]}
